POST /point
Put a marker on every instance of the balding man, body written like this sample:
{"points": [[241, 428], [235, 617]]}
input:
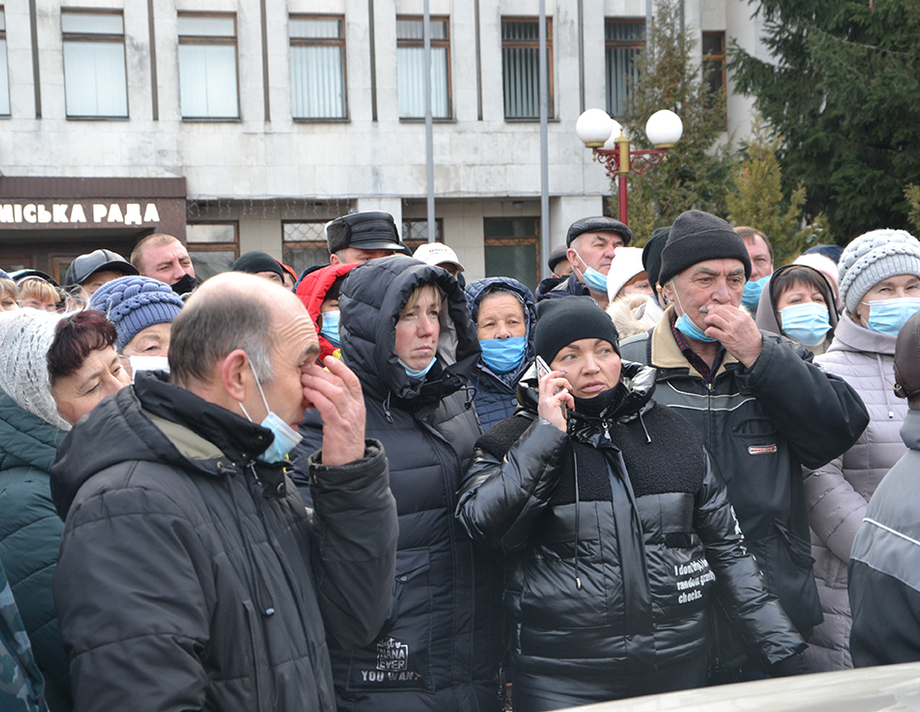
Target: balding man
{"points": [[191, 576], [164, 257]]}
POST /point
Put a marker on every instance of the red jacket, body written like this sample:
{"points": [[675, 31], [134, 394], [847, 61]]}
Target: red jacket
{"points": [[312, 292]]}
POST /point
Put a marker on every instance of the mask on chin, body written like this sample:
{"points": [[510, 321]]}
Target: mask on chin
{"points": [[185, 285]]}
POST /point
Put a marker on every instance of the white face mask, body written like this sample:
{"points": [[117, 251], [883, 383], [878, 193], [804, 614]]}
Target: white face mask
{"points": [[286, 438]]}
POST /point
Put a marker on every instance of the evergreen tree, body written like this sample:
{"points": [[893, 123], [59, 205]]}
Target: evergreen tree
{"points": [[843, 89], [912, 194], [696, 172]]}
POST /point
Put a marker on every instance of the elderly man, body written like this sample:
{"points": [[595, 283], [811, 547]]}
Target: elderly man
{"points": [[359, 237], [191, 576], [763, 408], [165, 258], [591, 244]]}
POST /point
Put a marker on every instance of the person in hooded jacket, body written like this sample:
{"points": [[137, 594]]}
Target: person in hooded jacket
{"points": [[406, 333], [504, 313], [798, 302], [617, 529], [319, 292]]}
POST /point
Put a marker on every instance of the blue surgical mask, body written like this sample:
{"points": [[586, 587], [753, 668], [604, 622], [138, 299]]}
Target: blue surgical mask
{"points": [[503, 355], [688, 328], [887, 316], [412, 373], [752, 290], [286, 438], [331, 327], [595, 280], [806, 323]]}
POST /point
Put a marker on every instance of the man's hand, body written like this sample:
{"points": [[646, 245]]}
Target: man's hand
{"points": [[736, 331], [554, 398], [337, 395]]}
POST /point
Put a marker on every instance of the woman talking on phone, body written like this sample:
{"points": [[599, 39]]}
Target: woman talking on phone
{"points": [[617, 530]]}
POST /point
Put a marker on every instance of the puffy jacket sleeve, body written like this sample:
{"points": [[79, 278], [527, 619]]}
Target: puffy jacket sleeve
{"points": [[818, 414], [835, 509], [355, 529], [501, 496], [756, 614]]}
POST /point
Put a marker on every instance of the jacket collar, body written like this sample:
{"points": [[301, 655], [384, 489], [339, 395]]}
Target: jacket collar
{"points": [[666, 354], [850, 336]]}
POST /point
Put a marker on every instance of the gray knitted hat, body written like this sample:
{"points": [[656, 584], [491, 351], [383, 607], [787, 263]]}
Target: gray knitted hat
{"points": [[25, 337], [872, 257], [134, 303]]}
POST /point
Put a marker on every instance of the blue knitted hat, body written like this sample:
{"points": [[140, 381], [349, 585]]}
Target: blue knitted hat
{"points": [[134, 303]]}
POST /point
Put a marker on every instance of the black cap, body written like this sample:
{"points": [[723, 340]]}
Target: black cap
{"points": [[696, 237], [373, 230], [598, 224], [907, 362], [87, 265], [651, 253], [563, 321], [556, 257], [255, 262]]}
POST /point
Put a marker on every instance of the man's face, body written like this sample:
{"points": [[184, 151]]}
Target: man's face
{"points": [[563, 268], [593, 249], [168, 263], [357, 256], [761, 262], [97, 279], [706, 284]]}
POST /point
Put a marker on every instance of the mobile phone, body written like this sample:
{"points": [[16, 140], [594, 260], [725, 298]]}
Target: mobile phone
{"points": [[542, 367]]}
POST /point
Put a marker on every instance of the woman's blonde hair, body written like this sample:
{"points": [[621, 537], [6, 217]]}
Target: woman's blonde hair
{"points": [[9, 289], [417, 294], [37, 288]]}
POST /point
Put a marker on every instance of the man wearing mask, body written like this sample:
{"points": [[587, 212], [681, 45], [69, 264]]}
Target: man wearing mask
{"points": [[763, 407], [761, 253], [165, 258]]}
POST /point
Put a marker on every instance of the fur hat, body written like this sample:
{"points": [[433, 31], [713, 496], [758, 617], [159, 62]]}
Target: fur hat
{"points": [[371, 230], [696, 237], [562, 321], [134, 303], [872, 257]]}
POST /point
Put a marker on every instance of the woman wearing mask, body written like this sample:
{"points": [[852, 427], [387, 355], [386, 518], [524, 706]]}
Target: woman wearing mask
{"points": [[406, 333], [879, 290], [798, 302], [319, 291], [504, 314]]}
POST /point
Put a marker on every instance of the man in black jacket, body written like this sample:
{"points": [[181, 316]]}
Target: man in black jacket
{"points": [[763, 408], [191, 576]]}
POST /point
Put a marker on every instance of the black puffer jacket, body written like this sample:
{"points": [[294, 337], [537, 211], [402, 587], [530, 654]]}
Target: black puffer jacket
{"points": [[190, 575], [439, 649], [613, 571]]}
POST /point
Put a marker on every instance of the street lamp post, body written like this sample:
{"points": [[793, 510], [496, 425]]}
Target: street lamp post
{"points": [[611, 146]]}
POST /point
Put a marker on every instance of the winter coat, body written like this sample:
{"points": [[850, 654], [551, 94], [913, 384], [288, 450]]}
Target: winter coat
{"points": [[22, 688], [761, 424], [440, 646], [546, 285], [634, 314], [838, 492], [192, 577], [767, 320], [496, 394], [30, 534], [312, 290], [618, 534], [884, 568], [569, 287]]}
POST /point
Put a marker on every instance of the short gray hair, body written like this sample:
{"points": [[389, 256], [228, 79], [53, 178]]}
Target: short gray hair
{"points": [[209, 328]]}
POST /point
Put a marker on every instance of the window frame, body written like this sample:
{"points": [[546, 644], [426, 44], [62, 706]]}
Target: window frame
{"points": [[322, 42], [435, 43], [6, 60], [414, 243], [95, 37], [631, 44], [713, 62], [513, 241], [209, 40], [315, 245], [194, 247], [529, 44]]}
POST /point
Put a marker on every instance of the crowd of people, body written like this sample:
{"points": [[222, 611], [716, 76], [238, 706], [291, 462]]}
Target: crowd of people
{"points": [[373, 486]]}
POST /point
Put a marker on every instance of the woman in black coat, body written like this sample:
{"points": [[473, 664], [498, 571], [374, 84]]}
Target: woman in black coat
{"points": [[617, 530], [405, 331]]}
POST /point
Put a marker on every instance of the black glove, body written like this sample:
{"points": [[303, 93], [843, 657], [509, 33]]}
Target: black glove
{"points": [[793, 665]]}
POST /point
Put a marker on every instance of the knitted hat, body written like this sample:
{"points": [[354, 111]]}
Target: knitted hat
{"points": [[626, 264], [598, 224], [25, 337], [255, 262], [134, 303], [651, 253], [872, 257], [561, 322], [372, 230], [907, 362], [696, 237]]}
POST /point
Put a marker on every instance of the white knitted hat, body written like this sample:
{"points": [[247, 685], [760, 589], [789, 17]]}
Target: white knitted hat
{"points": [[872, 257], [25, 338], [626, 264]]}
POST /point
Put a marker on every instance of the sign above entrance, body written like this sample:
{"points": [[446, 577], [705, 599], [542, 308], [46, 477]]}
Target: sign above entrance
{"points": [[82, 213]]}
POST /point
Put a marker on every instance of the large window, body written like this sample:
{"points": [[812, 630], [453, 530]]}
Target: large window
{"points": [[714, 66], [318, 67], [4, 69], [623, 41], [512, 249], [207, 67], [415, 232], [213, 247], [410, 58], [304, 244], [95, 83], [521, 67]]}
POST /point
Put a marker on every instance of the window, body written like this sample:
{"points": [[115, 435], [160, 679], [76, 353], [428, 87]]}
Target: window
{"points": [[512, 249], [410, 59], [4, 69], [318, 68], [714, 66], [304, 244], [207, 67], [521, 67], [415, 232], [213, 247], [95, 83], [623, 41]]}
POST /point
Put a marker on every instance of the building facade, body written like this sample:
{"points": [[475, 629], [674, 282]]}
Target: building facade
{"points": [[247, 124]]}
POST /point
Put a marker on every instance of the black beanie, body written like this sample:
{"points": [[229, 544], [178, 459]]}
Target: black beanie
{"points": [[696, 237], [563, 321], [651, 254], [255, 261]]}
